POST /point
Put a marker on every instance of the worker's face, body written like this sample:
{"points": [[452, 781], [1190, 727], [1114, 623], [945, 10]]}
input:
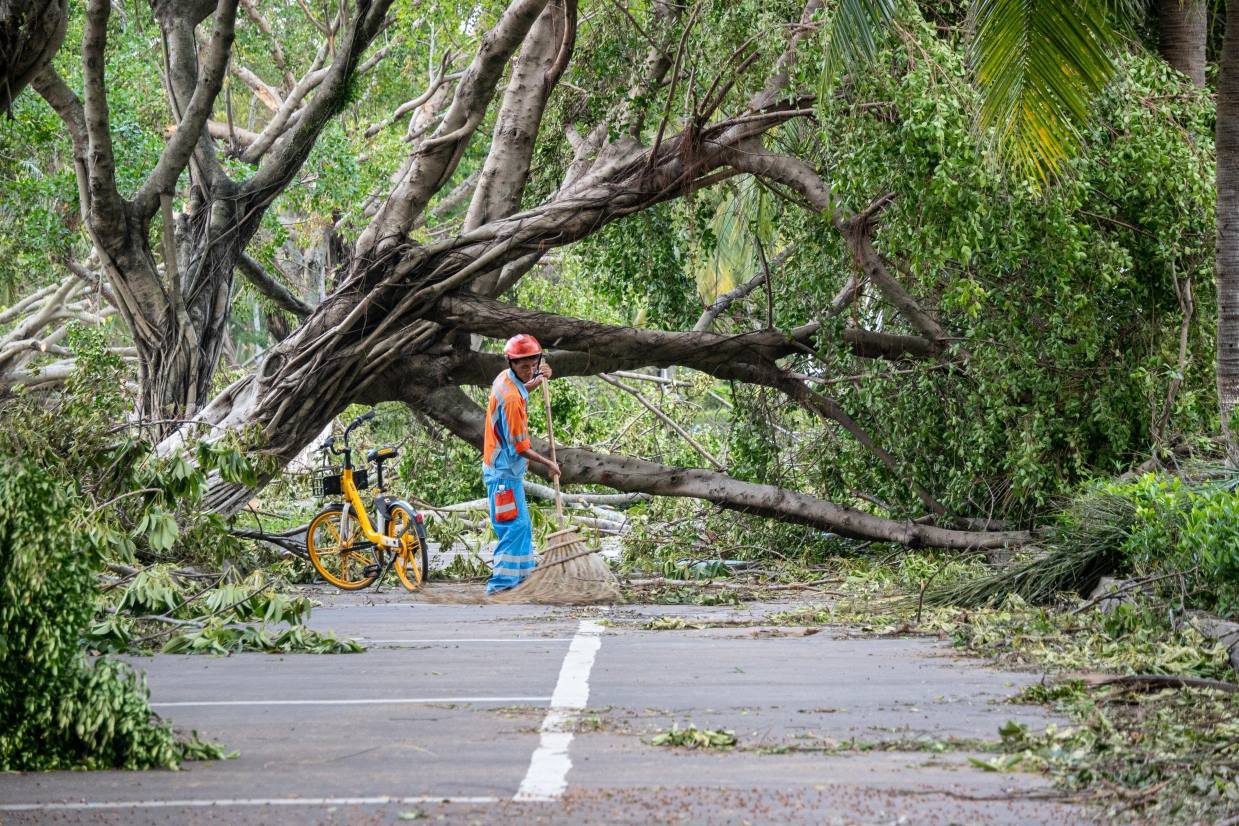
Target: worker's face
{"points": [[526, 368]]}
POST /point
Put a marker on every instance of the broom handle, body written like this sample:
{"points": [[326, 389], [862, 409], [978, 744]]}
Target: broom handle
{"points": [[550, 437]]}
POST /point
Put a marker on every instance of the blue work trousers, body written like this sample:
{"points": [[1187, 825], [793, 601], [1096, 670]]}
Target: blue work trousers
{"points": [[514, 553]]}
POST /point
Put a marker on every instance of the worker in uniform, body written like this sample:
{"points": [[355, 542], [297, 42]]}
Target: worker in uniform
{"points": [[506, 453]]}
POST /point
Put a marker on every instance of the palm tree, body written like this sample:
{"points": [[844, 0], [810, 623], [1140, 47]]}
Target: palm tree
{"points": [[1227, 242]]}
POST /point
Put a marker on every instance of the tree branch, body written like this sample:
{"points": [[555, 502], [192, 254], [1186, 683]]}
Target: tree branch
{"points": [[277, 51], [105, 206], [193, 120], [268, 95], [279, 123], [434, 161], [270, 286], [711, 313], [664, 418], [455, 411], [871, 345], [506, 169], [441, 76], [857, 230], [282, 161]]}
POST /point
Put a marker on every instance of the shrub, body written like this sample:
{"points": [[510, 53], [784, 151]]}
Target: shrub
{"points": [[74, 491], [60, 710]]}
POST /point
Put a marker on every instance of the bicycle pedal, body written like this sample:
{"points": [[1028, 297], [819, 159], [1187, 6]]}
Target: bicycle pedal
{"points": [[372, 570]]}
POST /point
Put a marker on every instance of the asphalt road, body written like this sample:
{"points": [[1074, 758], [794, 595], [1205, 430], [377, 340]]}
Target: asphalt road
{"points": [[490, 714]]}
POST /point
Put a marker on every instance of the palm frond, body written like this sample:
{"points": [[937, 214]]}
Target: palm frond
{"points": [[855, 26], [1084, 546], [1039, 65]]}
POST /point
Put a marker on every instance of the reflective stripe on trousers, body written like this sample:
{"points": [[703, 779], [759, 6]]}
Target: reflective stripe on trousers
{"points": [[514, 558]]}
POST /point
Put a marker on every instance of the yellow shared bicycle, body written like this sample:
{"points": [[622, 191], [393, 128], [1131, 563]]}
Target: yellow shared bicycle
{"points": [[348, 549]]}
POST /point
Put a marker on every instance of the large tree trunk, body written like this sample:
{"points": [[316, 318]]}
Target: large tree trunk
{"points": [[178, 314], [1182, 39], [180, 335], [1228, 233]]}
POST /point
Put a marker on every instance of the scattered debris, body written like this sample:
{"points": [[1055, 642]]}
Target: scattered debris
{"points": [[695, 738]]}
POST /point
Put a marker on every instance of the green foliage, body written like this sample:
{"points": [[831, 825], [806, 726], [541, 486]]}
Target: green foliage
{"points": [[695, 738], [755, 450], [217, 638], [221, 618], [465, 566], [852, 37], [62, 711], [1084, 543], [1130, 640], [437, 468], [641, 267], [1191, 528], [78, 490], [1182, 536], [1064, 299], [1171, 752]]}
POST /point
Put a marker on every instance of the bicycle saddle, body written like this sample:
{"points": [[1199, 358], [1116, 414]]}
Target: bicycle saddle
{"points": [[382, 454]]}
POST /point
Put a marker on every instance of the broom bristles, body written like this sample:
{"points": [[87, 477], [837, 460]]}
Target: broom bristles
{"points": [[569, 574]]}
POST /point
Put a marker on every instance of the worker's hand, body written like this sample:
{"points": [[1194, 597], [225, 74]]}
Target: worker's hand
{"points": [[544, 370], [552, 468]]}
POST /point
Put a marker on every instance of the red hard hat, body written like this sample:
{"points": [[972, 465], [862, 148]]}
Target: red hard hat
{"points": [[522, 346]]}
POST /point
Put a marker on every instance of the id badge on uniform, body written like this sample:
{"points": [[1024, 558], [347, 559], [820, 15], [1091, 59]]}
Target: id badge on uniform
{"points": [[505, 505]]}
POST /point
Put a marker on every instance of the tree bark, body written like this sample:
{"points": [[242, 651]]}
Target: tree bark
{"points": [[178, 313], [1181, 41], [31, 32], [1227, 245]]}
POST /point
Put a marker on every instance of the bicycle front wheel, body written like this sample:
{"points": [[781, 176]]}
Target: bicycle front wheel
{"points": [[412, 564], [340, 552]]}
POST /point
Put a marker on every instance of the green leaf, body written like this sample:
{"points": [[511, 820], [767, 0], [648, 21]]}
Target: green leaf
{"points": [[161, 529]]}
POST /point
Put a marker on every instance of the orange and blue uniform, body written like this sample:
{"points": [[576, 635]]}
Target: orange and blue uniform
{"points": [[503, 472]]}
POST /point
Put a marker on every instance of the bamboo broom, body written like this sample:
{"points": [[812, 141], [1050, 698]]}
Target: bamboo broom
{"points": [[569, 572]]}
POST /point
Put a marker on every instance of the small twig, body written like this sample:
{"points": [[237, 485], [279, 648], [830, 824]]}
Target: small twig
{"points": [[1153, 682], [202, 620], [1127, 587], [125, 495]]}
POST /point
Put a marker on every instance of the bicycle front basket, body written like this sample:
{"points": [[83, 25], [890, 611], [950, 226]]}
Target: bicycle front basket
{"points": [[327, 482]]}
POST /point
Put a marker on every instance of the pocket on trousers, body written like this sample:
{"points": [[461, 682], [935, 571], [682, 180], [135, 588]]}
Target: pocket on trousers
{"points": [[505, 505]]}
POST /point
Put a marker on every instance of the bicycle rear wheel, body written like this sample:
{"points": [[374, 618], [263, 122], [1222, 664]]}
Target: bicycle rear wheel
{"points": [[412, 564], [340, 552]]}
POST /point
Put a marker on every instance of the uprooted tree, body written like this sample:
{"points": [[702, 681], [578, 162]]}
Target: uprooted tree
{"points": [[403, 310]]}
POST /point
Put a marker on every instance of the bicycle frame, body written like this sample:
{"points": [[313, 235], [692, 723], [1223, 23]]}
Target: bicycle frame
{"points": [[372, 532]]}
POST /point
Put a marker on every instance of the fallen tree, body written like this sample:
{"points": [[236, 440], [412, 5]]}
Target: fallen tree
{"points": [[408, 304]]}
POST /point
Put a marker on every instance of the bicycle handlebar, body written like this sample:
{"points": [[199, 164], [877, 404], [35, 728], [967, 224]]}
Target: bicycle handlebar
{"points": [[329, 445]]}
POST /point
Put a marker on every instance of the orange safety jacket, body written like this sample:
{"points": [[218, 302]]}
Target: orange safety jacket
{"points": [[507, 429]]}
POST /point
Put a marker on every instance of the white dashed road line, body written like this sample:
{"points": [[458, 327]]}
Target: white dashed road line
{"points": [[258, 801], [406, 701], [530, 641], [547, 777]]}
